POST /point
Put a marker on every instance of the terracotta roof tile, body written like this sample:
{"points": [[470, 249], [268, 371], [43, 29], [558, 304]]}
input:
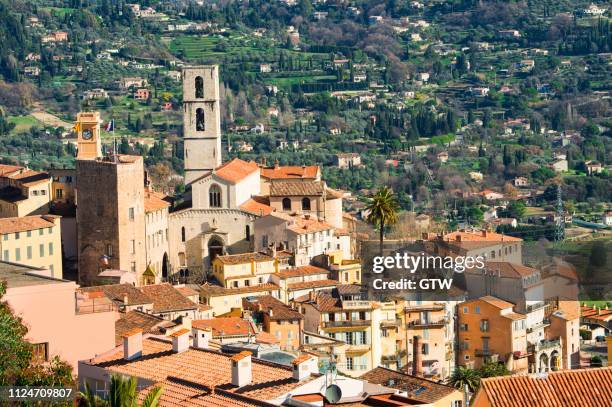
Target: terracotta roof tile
{"points": [[217, 290], [504, 269], [236, 170], [297, 188], [280, 311], [243, 258], [202, 367], [224, 327], [256, 207], [139, 320], [418, 389], [478, 236], [239, 356], [583, 387], [179, 393], [307, 270], [154, 201], [30, 178], [167, 298], [23, 224], [301, 224], [6, 169], [180, 332], [117, 292], [312, 284], [302, 358], [290, 172]]}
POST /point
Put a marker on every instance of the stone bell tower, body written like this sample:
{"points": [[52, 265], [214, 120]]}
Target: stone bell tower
{"points": [[201, 120]]}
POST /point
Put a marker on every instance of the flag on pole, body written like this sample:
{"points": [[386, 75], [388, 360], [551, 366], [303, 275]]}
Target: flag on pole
{"points": [[110, 126]]}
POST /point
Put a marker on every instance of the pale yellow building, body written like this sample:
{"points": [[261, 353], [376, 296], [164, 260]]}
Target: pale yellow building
{"points": [[34, 241], [244, 270], [23, 191]]}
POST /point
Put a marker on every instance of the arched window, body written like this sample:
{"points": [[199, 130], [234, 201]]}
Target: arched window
{"points": [[199, 119], [305, 204], [199, 87], [214, 196], [183, 234], [247, 233], [286, 204]]}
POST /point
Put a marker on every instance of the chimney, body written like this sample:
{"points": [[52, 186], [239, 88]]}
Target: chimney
{"points": [[416, 354], [241, 369], [311, 295], [180, 340], [132, 344], [458, 238], [484, 233], [201, 337], [304, 366]]}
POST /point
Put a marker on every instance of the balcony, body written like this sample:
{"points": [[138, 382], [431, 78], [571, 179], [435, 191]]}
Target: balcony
{"points": [[539, 325], [421, 323], [347, 324], [358, 348], [425, 307], [92, 306], [536, 306], [546, 344]]}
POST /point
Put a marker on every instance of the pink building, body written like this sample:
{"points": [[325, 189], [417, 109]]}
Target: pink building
{"points": [[59, 323]]}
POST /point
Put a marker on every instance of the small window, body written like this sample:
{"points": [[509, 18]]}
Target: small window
{"points": [[18, 254], [131, 213], [214, 196], [17, 235], [305, 204], [29, 233], [465, 310], [51, 249], [41, 250], [286, 204], [247, 232], [5, 236], [183, 234], [50, 230], [477, 310], [132, 246], [40, 352], [29, 252], [40, 232], [133, 267], [5, 256], [109, 250]]}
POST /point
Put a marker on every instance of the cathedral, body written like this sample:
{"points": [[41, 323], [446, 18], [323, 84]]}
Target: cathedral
{"points": [[225, 199]]}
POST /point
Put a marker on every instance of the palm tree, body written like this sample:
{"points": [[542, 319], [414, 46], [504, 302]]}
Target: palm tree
{"points": [[123, 393], [463, 376], [383, 207]]}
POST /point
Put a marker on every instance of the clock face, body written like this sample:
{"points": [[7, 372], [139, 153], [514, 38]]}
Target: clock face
{"points": [[87, 134]]}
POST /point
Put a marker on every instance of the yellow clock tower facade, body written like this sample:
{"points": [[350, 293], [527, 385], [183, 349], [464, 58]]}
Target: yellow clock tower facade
{"points": [[89, 141]]}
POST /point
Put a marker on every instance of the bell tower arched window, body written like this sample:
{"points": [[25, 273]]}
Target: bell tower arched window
{"points": [[214, 196], [199, 87], [199, 119]]}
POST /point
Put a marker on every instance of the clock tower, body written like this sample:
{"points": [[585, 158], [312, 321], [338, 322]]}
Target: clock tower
{"points": [[88, 136]]}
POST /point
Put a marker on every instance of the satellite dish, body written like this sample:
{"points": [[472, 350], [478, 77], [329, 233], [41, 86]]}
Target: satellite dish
{"points": [[333, 393]]}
